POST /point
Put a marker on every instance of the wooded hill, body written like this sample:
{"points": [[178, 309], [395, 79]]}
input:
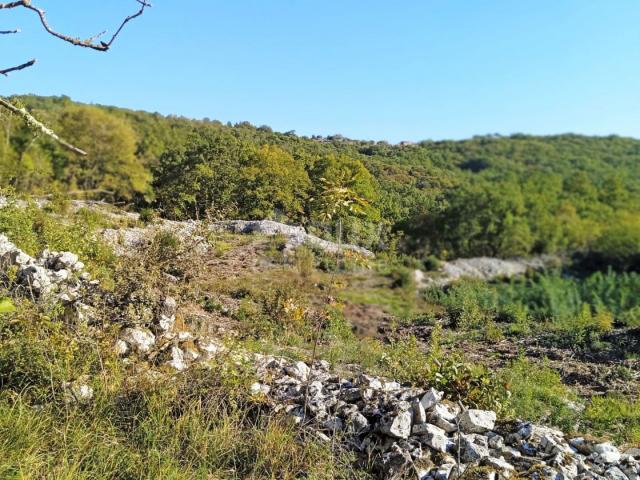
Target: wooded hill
{"points": [[489, 195]]}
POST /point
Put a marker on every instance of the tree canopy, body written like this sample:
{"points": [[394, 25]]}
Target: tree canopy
{"points": [[491, 195]]}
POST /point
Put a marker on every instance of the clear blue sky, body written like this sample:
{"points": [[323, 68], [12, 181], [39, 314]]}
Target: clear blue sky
{"points": [[371, 69]]}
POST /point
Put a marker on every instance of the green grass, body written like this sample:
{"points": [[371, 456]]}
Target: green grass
{"points": [[538, 394], [397, 302], [33, 229], [197, 427], [615, 416]]}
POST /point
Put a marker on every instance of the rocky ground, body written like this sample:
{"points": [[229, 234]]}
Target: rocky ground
{"points": [[588, 373], [416, 433], [405, 432]]}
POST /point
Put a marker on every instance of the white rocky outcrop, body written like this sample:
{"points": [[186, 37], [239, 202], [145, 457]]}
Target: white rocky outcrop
{"points": [[296, 236], [52, 276], [481, 268]]}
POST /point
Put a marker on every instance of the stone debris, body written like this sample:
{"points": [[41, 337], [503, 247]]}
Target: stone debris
{"points": [[125, 239], [167, 315], [78, 391], [414, 433], [140, 340], [51, 277], [481, 268], [477, 421]]}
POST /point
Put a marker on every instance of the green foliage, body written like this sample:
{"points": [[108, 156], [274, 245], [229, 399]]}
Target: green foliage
{"points": [[431, 263], [492, 195], [200, 425], [6, 305], [538, 394], [577, 311], [272, 182], [468, 303], [111, 164], [305, 261], [38, 353], [619, 244], [614, 416], [33, 229]]}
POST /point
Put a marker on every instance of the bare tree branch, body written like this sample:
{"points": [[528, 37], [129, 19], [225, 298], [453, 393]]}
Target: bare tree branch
{"points": [[39, 126], [10, 5], [28, 64], [91, 42]]}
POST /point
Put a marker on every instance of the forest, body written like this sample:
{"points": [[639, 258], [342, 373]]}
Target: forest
{"points": [[486, 196]]}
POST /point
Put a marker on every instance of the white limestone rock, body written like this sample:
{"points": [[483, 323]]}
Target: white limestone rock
{"points": [[397, 426], [607, 453], [477, 421], [432, 436], [431, 398], [139, 339]]}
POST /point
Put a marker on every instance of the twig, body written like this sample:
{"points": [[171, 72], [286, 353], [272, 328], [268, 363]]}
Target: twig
{"points": [[28, 64], [87, 43], [32, 121]]}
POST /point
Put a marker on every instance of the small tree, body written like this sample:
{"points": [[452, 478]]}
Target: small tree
{"points": [[336, 200]]}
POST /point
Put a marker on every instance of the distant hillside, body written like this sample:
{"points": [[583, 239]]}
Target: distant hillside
{"points": [[490, 195]]}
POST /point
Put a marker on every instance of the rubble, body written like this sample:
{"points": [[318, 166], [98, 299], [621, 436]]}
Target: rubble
{"points": [[390, 424]]}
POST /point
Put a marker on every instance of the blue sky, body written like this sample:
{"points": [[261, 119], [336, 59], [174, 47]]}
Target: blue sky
{"points": [[371, 69]]}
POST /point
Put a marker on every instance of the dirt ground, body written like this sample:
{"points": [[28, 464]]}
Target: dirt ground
{"points": [[589, 373]]}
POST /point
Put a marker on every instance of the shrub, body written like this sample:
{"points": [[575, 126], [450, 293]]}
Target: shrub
{"points": [[469, 303], [305, 261], [431, 263]]}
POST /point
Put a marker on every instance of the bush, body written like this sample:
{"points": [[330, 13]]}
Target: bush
{"points": [[305, 261], [431, 263], [469, 303], [38, 353]]}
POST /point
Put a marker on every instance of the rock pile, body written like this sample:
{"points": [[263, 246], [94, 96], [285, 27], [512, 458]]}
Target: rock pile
{"points": [[162, 346], [60, 277], [415, 433], [57, 276]]}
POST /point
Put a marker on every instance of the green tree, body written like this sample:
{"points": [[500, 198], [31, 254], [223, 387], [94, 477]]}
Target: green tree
{"points": [[111, 164], [272, 181], [202, 175]]}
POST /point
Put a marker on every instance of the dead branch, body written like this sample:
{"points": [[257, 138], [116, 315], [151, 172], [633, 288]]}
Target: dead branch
{"points": [[39, 126], [28, 64], [91, 42], [87, 43]]}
